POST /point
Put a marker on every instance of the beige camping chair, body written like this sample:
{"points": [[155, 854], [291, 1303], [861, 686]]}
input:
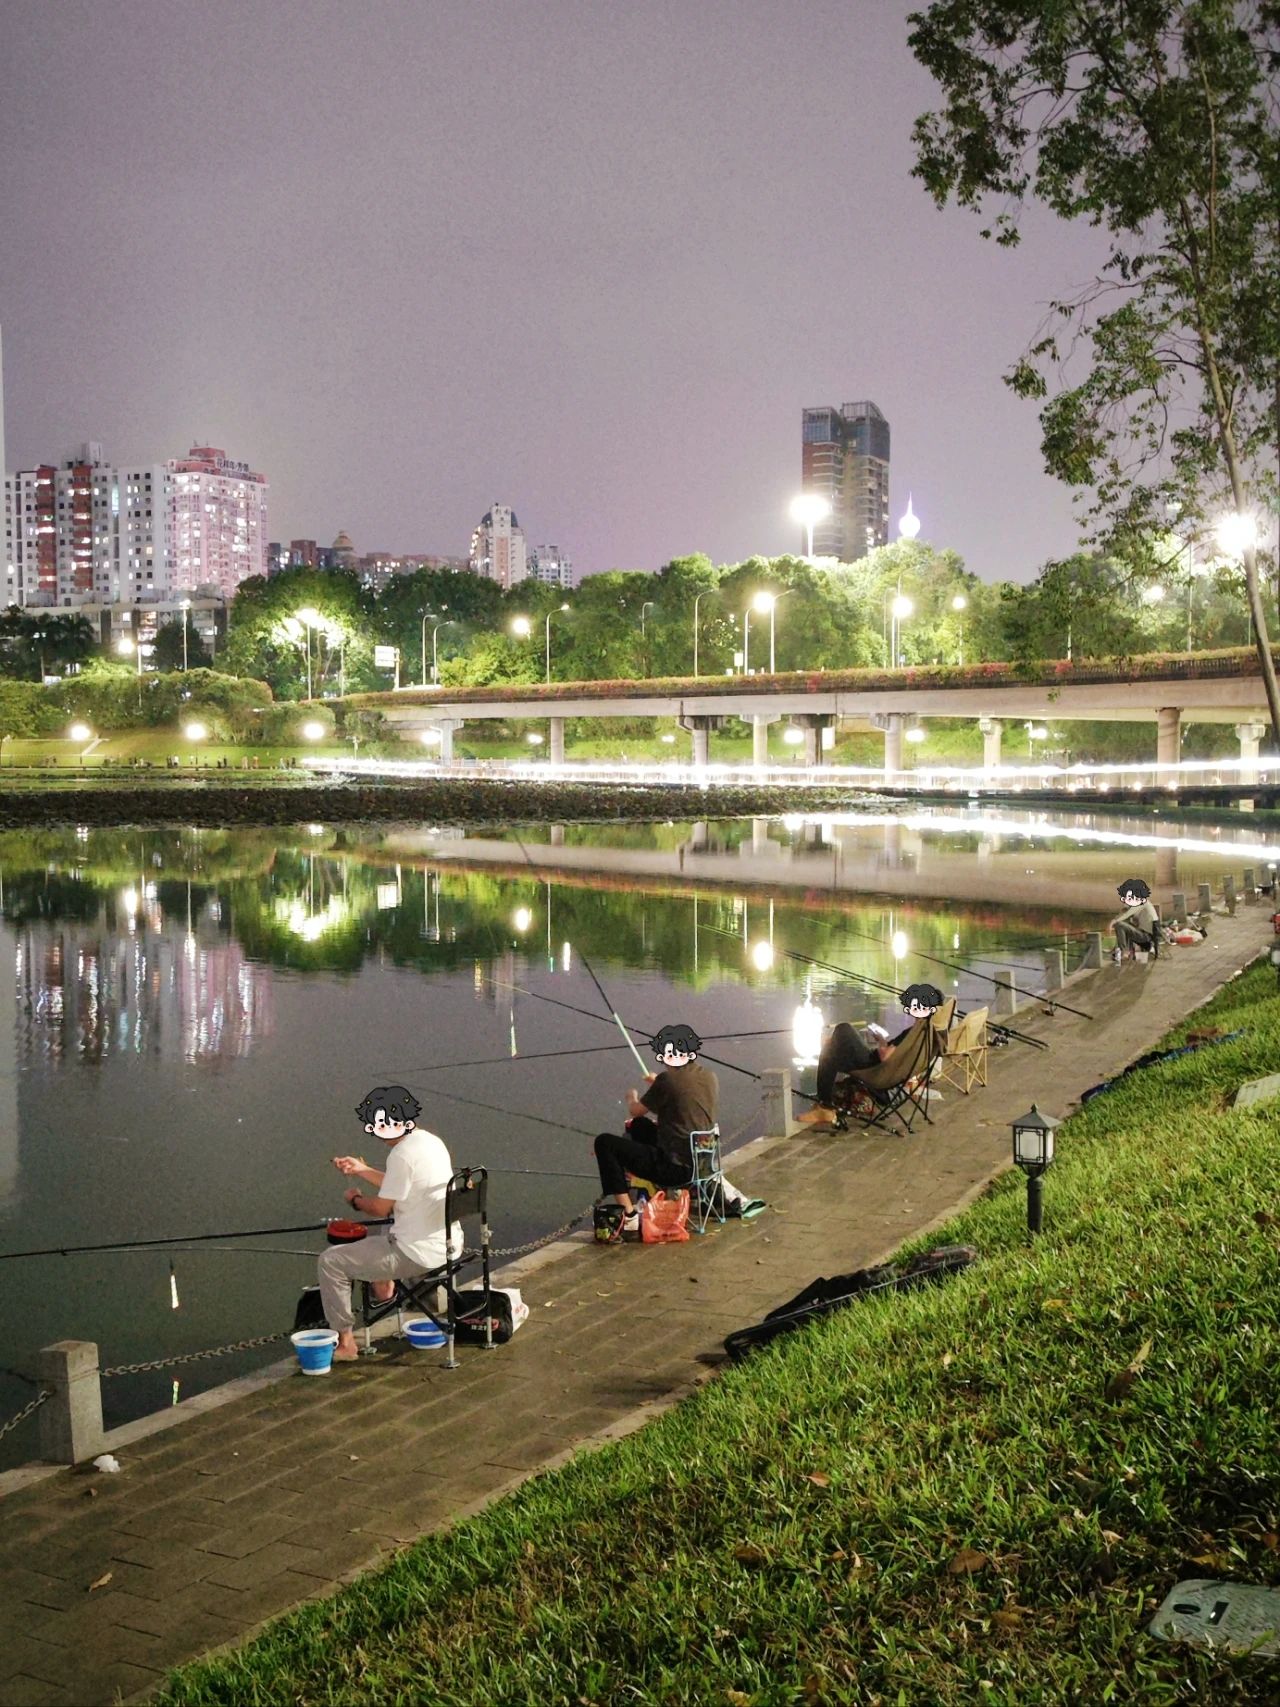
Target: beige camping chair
{"points": [[963, 1058]]}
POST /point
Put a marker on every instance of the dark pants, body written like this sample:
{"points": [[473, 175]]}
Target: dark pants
{"points": [[1131, 936], [617, 1157], [843, 1052]]}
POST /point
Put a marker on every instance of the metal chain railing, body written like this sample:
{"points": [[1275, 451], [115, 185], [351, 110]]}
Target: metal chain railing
{"points": [[193, 1356], [25, 1412]]}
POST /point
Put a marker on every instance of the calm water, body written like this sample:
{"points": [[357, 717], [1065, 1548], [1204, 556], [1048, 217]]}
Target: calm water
{"points": [[191, 1017]]}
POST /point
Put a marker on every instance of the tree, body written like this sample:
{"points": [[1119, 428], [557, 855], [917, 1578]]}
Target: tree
{"points": [[1152, 120], [1077, 608], [268, 639], [169, 654], [32, 642]]}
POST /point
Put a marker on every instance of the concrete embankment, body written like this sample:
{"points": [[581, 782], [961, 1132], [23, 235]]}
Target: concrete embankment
{"points": [[284, 1493]]}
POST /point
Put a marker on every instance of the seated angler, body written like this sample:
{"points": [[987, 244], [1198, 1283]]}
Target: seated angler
{"points": [[681, 1099], [1133, 928], [411, 1191], [845, 1052]]}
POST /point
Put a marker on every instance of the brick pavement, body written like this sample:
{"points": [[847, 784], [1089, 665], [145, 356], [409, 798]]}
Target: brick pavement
{"points": [[216, 1525]]}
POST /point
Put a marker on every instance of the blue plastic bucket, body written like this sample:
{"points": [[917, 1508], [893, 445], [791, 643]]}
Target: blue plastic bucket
{"points": [[314, 1347], [425, 1335]]}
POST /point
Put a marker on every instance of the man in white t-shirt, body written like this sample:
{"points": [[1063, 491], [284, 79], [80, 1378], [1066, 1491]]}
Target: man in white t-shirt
{"points": [[411, 1191]]}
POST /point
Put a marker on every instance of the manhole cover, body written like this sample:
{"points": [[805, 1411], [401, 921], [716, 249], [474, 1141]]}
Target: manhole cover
{"points": [[1236, 1617]]}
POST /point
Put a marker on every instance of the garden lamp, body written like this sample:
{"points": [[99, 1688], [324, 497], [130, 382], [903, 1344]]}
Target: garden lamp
{"points": [[1033, 1153]]}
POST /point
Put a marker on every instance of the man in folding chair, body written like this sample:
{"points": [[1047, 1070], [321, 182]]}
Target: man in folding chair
{"points": [[845, 1052], [411, 1191]]}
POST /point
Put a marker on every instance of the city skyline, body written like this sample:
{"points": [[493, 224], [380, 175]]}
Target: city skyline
{"points": [[397, 310]]}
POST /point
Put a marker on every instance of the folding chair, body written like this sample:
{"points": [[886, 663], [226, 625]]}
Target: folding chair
{"points": [[706, 1188], [895, 1085], [465, 1199], [962, 1061]]}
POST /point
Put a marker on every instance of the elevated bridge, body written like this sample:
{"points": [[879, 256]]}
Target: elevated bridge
{"points": [[1167, 690]]}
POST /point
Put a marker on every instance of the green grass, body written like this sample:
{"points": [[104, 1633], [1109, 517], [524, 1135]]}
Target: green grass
{"points": [[797, 1531]]}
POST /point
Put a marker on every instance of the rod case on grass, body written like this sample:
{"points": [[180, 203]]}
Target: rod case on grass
{"points": [[823, 1296]]}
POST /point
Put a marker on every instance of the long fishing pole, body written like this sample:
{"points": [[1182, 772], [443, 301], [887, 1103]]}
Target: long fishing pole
{"points": [[608, 1004], [512, 1114], [582, 1049], [181, 1239]]}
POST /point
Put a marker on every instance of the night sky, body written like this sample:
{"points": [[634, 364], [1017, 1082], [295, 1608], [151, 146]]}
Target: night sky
{"points": [[408, 257]]}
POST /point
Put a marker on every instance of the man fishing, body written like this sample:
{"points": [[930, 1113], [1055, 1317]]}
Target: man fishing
{"points": [[846, 1052], [411, 1190], [683, 1098], [1134, 926]]}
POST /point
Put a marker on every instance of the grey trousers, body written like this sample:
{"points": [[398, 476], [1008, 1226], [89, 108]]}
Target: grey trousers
{"points": [[371, 1258], [1131, 936]]}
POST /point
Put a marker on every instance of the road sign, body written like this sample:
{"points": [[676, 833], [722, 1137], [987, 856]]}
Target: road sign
{"points": [[384, 657]]}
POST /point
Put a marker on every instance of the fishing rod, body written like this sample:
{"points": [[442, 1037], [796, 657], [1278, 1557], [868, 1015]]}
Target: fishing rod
{"points": [[702, 1055], [582, 1049], [512, 1114], [182, 1239], [878, 984], [955, 966]]}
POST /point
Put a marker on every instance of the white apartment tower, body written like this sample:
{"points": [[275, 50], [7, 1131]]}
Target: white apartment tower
{"points": [[89, 533], [498, 547], [547, 563]]}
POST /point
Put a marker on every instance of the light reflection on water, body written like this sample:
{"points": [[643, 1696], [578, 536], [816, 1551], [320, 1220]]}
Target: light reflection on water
{"points": [[193, 1016]]}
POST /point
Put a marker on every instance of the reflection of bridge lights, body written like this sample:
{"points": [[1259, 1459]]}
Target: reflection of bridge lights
{"points": [[762, 956], [521, 919], [899, 945]]}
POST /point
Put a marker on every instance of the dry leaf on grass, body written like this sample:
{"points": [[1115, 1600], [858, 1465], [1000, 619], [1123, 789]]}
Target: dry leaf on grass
{"points": [[947, 1359], [967, 1561], [1123, 1379], [747, 1555], [1008, 1618], [818, 1479], [738, 1697], [100, 1582]]}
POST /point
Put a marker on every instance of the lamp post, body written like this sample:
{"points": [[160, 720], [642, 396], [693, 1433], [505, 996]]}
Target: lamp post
{"points": [[959, 604], [548, 640], [809, 509], [647, 605], [697, 601], [766, 601], [81, 734], [310, 618], [901, 608], [1033, 1153], [186, 610], [124, 646], [445, 622], [1035, 732]]}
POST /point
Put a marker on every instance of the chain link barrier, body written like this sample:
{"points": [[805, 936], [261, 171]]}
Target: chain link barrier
{"points": [[25, 1412], [193, 1356]]}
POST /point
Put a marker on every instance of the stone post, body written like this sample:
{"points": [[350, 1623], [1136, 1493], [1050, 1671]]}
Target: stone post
{"points": [[991, 728], [557, 835], [71, 1418], [778, 1119], [1204, 899], [1229, 893], [1053, 968], [1092, 951], [1179, 907], [1250, 885], [1249, 735], [1007, 991], [1168, 735], [557, 740]]}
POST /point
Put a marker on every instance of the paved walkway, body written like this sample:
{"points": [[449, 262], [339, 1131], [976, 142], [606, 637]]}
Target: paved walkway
{"points": [[216, 1525]]}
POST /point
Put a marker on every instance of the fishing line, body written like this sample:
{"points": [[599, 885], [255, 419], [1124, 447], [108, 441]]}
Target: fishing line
{"points": [[511, 1114], [582, 1049], [182, 1239]]}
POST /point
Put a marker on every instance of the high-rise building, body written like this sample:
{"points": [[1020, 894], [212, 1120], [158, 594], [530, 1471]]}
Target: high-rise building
{"points": [[549, 564], [88, 532], [498, 548], [844, 458], [219, 521], [303, 554]]}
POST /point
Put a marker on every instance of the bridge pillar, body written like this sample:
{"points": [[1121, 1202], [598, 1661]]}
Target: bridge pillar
{"points": [[760, 738], [891, 723], [1168, 735], [446, 726], [557, 741], [1249, 735], [700, 728], [991, 728], [813, 723]]}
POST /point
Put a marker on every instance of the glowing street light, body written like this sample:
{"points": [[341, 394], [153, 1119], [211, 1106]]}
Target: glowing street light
{"points": [[1236, 533], [80, 732], [767, 601], [809, 509], [900, 609], [1153, 595], [313, 730], [521, 919], [521, 626], [195, 731]]}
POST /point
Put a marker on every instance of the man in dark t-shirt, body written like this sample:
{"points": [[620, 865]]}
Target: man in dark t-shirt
{"points": [[682, 1099]]}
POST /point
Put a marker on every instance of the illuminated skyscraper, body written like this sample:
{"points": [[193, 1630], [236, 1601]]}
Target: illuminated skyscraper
{"points": [[844, 458]]}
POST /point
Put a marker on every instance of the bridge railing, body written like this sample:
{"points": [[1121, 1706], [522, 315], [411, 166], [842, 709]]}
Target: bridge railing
{"points": [[1191, 666]]}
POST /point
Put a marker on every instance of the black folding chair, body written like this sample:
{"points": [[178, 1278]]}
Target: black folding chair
{"points": [[899, 1087], [465, 1199]]}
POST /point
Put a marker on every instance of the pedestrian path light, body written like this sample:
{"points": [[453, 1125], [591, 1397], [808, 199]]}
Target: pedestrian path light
{"points": [[1033, 1153]]}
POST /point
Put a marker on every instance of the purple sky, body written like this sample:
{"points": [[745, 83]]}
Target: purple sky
{"points": [[589, 260]]}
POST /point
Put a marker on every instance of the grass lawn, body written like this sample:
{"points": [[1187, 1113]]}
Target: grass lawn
{"points": [[975, 1495]]}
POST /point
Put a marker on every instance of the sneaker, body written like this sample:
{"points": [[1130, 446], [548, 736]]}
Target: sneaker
{"points": [[1116, 956], [630, 1225]]}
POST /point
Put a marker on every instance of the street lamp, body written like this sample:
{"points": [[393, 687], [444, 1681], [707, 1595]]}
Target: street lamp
{"points": [[1033, 1153], [901, 609], [766, 601], [445, 622], [959, 605], [697, 601], [186, 611], [549, 616], [809, 509], [313, 730], [309, 617], [1237, 532], [647, 605], [195, 731]]}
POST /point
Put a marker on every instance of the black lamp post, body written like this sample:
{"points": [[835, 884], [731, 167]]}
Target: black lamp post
{"points": [[1033, 1153], [1275, 961]]}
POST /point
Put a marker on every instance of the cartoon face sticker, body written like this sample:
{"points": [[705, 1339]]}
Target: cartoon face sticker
{"points": [[676, 1045], [389, 1112], [921, 1000], [1134, 891]]}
